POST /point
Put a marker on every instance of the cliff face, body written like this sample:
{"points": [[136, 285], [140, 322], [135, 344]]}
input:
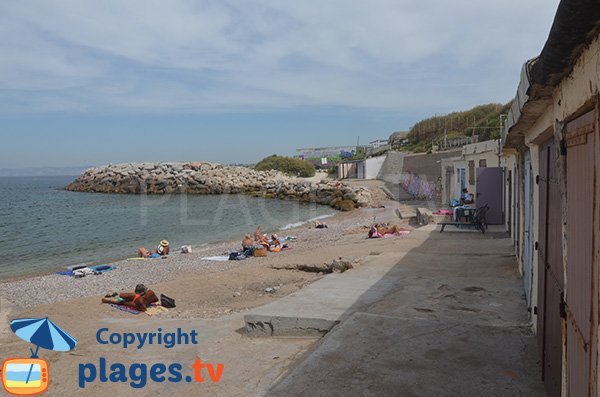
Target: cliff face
{"points": [[211, 178]]}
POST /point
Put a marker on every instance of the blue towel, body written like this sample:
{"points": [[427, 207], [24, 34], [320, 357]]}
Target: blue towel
{"points": [[102, 268], [98, 268]]}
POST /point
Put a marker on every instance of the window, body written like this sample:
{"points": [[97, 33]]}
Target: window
{"points": [[471, 172], [482, 163]]}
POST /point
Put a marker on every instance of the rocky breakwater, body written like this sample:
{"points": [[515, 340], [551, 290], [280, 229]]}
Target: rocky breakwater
{"points": [[212, 178]]}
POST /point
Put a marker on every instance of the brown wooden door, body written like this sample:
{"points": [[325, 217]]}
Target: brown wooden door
{"points": [[581, 289], [550, 273]]}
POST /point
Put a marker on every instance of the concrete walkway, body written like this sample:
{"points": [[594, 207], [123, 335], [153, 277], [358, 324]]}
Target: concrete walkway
{"points": [[316, 309], [435, 315]]}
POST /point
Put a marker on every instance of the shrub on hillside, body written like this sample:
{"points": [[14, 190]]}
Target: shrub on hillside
{"points": [[287, 165]]}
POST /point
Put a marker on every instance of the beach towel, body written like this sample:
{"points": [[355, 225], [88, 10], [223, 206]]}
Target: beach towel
{"points": [[442, 212], [125, 308], [156, 310], [400, 233], [153, 310], [96, 269], [103, 268], [221, 258], [86, 271], [153, 256]]}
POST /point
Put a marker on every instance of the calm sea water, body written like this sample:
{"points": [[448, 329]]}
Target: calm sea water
{"points": [[44, 228]]}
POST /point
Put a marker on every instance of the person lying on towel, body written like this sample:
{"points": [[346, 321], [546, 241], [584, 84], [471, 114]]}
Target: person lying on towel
{"points": [[381, 229], [247, 242], [163, 249], [140, 300], [320, 225]]}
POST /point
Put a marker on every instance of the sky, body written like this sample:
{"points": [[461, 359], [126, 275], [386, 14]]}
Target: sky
{"points": [[91, 83]]}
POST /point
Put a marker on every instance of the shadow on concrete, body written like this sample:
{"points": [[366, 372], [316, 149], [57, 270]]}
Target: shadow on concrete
{"points": [[447, 318]]}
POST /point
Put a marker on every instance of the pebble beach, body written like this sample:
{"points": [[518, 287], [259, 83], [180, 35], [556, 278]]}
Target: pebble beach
{"points": [[50, 289]]}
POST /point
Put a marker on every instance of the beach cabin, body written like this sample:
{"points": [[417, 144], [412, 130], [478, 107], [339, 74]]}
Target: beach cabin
{"points": [[551, 149], [478, 169]]}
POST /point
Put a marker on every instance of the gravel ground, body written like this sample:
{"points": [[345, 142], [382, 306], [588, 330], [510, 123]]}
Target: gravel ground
{"points": [[47, 289]]}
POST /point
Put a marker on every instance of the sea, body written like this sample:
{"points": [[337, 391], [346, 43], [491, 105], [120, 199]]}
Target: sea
{"points": [[44, 228]]}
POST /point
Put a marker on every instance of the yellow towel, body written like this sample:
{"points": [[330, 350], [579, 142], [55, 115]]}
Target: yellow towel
{"points": [[155, 310]]}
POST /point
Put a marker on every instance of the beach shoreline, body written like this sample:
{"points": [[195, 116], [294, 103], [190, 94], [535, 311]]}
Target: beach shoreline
{"points": [[29, 291], [196, 247], [211, 297]]}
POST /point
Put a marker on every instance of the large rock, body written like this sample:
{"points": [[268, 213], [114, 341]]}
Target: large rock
{"points": [[212, 178]]}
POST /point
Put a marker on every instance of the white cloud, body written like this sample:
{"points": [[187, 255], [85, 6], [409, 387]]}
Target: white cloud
{"points": [[149, 56]]}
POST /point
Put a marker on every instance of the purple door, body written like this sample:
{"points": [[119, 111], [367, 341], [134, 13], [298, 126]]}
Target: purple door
{"points": [[489, 191]]}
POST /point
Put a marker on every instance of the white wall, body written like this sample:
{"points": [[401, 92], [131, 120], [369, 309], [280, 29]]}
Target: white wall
{"points": [[373, 166], [456, 191], [449, 185]]}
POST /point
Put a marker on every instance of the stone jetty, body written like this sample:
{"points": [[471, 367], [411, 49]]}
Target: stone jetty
{"points": [[213, 178]]}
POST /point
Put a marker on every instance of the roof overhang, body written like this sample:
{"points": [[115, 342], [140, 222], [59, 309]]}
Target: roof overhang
{"points": [[576, 24]]}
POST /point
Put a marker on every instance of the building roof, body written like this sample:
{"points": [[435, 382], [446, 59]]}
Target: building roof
{"points": [[576, 24]]}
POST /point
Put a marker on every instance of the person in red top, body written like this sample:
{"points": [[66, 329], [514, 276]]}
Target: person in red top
{"points": [[140, 300]]}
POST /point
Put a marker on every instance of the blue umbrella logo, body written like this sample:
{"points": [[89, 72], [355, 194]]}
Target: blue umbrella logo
{"points": [[42, 333]]}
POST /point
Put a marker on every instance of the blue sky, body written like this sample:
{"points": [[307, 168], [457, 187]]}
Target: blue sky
{"points": [[88, 83]]}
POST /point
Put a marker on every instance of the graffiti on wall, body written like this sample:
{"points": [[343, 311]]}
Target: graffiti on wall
{"points": [[417, 187]]}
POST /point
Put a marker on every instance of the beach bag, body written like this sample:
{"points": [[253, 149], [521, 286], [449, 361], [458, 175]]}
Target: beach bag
{"points": [[186, 249], [260, 252], [77, 267], [167, 302], [237, 256]]}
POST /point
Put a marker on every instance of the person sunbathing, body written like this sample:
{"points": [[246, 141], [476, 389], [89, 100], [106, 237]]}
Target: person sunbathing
{"points": [[320, 225], [163, 249], [275, 244], [257, 234], [376, 231], [264, 241], [140, 300], [247, 242], [379, 230], [275, 241], [388, 229]]}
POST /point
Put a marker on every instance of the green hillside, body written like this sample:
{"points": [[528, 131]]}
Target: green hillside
{"points": [[482, 120]]}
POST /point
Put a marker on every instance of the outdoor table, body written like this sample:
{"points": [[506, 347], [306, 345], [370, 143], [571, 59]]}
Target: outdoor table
{"points": [[466, 213]]}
